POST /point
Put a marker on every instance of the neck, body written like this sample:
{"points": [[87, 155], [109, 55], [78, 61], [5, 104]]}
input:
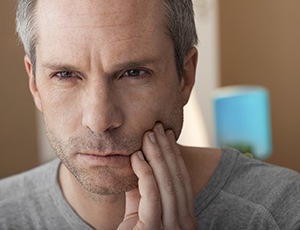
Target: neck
{"points": [[201, 164], [100, 211]]}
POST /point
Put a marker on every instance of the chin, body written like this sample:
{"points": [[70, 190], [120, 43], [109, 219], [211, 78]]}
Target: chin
{"points": [[106, 181], [113, 189], [106, 189]]}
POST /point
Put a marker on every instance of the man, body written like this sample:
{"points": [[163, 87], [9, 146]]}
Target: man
{"points": [[111, 79]]}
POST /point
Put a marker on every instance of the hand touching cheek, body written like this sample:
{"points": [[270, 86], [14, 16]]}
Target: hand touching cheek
{"points": [[163, 199]]}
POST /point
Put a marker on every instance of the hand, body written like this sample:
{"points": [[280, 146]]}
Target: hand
{"points": [[163, 199]]}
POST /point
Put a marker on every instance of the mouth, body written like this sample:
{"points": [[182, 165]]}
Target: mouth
{"points": [[105, 154], [107, 159]]}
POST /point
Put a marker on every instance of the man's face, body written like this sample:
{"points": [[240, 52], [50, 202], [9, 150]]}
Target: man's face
{"points": [[105, 73]]}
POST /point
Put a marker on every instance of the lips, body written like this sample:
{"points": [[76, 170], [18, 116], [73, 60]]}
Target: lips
{"points": [[104, 159], [112, 153]]}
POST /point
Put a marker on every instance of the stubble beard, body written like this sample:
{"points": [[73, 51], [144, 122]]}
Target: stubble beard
{"points": [[106, 181], [100, 180]]}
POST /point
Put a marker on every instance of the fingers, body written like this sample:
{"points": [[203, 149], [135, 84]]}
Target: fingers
{"points": [[185, 177], [172, 157], [164, 197], [155, 157], [172, 178]]}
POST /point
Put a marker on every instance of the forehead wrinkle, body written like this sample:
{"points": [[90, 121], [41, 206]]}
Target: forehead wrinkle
{"points": [[150, 18], [90, 16], [76, 20], [75, 32]]}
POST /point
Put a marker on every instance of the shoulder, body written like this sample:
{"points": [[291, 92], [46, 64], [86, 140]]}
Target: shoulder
{"points": [[273, 188], [23, 188], [253, 191], [265, 179], [22, 194], [27, 181]]}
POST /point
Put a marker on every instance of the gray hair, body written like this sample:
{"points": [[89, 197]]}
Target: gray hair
{"points": [[26, 28], [181, 28], [180, 24]]}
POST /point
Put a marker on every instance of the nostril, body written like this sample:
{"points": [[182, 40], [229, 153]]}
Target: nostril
{"points": [[100, 119]]}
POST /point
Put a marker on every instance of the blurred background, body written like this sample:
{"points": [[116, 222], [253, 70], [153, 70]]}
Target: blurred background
{"points": [[254, 42]]}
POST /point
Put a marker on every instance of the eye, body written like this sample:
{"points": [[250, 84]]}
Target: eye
{"points": [[65, 75], [135, 73]]}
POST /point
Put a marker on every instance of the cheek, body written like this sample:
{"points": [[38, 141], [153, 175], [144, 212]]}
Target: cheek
{"points": [[60, 110], [169, 111], [159, 106], [172, 115]]}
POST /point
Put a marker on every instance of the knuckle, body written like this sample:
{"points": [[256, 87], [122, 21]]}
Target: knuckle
{"points": [[158, 157], [180, 179], [148, 172], [154, 196], [168, 148], [170, 188]]}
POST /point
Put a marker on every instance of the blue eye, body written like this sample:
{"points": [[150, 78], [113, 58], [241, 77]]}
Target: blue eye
{"points": [[134, 73], [66, 74]]}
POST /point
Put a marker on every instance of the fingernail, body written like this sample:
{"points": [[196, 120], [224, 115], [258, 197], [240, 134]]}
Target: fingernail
{"points": [[152, 137], [161, 129], [141, 155]]}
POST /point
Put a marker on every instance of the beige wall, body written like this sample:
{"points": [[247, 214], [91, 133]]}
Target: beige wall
{"points": [[18, 149], [260, 44]]}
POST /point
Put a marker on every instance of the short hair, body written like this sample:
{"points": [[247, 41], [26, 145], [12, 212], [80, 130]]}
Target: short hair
{"points": [[26, 28], [180, 24]]}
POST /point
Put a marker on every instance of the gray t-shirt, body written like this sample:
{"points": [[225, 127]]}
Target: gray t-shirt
{"points": [[242, 194]]}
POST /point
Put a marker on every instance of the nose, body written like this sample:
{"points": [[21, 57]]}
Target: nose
{"points": [[102, 111]]}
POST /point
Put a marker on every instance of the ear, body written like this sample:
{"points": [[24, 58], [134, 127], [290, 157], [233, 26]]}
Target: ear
{"points": [[189, 74], [32, 83]]}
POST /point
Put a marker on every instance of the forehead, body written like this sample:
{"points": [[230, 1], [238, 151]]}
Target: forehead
{"points": [[102, 30], [114, 18]]}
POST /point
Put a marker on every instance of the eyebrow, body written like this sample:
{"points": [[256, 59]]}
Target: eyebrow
{"points": [[58, 66], [138, 62]]}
